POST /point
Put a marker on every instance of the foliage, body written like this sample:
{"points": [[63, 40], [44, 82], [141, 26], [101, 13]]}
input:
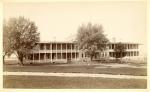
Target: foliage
{"points": [[91, 38], [6, 42], [120, 51], [20, 35]]}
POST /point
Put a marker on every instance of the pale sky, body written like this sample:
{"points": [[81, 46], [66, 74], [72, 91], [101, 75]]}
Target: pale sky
{"points": [[126, 21]]}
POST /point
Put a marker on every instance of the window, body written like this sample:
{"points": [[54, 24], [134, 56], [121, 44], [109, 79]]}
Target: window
{"points": [[48, 55], [137, 53], [42, 56], [41, 46], [77, 55], [36, 56], [68, 46], [113, 46], [63, 55], [82, 55], [73, 46], [113, 54], [58, 46], [126, 53], [53, 46], [110, 54], [73, 55], [131, 53], [58, 55], [47, 46], [109, 46], [128, 46], [63, 46]]}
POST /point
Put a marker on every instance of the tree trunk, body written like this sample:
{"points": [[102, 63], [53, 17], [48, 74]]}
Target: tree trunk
{"points": [[20, 57], [3, 59], [21, 60], [91, 58], [120, 57], [116, 58]]}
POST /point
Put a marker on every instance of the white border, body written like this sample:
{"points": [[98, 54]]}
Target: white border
{"points": [[72, 90]]}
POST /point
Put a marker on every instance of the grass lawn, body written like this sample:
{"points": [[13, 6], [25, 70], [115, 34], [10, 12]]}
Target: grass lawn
{"points": [[65, 68], [71, 82]]}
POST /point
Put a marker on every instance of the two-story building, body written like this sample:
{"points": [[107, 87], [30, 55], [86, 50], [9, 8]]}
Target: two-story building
{"points": [[61, 52]]}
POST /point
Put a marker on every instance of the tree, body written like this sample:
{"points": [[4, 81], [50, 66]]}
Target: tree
{"points": [[22, 35], [120, 51], [6, 42], [91, 38]]}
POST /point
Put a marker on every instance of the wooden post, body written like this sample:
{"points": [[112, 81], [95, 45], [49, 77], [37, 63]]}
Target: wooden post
{"points": [[51, 52], [45, 53], [71, 51], [66, 51], [56, 51], [61, 51]]}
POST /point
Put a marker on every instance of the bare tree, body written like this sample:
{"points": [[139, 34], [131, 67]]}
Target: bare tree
{"points": [[22, 34], [6, 42], [90, 38]]}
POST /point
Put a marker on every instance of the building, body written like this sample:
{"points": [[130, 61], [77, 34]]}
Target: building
{"points": [[61, 52], [54, 52]]}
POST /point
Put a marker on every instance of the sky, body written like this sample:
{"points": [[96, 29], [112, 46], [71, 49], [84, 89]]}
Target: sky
{"points": [[59, 21]]}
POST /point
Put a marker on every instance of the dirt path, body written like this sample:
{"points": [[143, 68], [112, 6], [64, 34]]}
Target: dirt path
{"points": [[75, 75]]}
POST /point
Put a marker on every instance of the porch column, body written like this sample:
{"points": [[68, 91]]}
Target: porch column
{"points": [[75, 52], [66, 51], [56, 51], [71, 51], [39, 56], [51, 51], [45, 52], [78, 53], [61, 50]]}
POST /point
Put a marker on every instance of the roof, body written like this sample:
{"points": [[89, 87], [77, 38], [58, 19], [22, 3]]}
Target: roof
{"points": [[55, 42], [74, 42], [125, 43]]}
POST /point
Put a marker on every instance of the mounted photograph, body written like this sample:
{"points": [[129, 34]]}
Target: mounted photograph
{"points": [[75, 45]]}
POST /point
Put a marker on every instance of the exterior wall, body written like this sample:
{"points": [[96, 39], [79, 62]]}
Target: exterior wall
{"points": [[131, 49], [54, 52], [63, 52]]}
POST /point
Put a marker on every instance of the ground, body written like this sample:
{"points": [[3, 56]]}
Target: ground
{"points": [[71, 82], [122, 69], [15, 81]]}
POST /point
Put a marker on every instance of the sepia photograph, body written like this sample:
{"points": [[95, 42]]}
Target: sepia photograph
{"points": [[75, 45]]}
